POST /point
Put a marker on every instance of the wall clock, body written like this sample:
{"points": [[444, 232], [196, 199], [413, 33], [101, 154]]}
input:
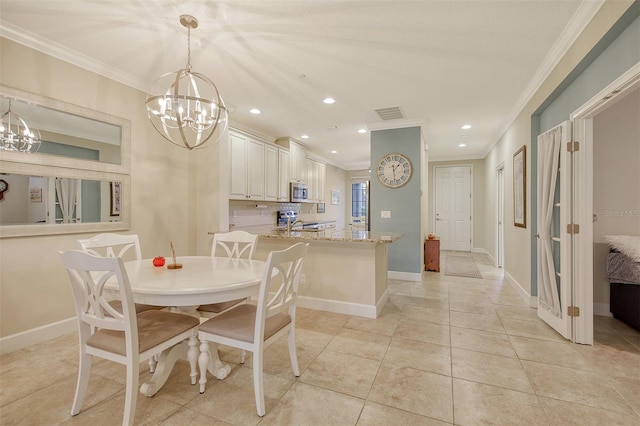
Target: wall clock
{"points": [[394, 170]]}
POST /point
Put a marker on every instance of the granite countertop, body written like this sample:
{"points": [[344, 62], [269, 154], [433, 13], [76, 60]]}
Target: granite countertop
{"points": [[333, 235]]}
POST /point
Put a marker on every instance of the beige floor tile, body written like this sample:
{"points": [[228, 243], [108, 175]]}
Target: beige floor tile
{"points": [[276, 358], [54, 402], [506, 299], [233, 400], [471, 306], [517, 312], [614, 340], [535, 329], [489, 369], [419, 355], [186, 416], [429, 315], [307, 337], [424, 332], [310, 405], [380, 415], [343, 373], [480, 404], [383, 325], [327, 322], [416, 391], [570, 414], [360, 343], [477, 322], [547, 352], [572, 385], [482, 341], [425, 302], [611, 361], [628, 389]]}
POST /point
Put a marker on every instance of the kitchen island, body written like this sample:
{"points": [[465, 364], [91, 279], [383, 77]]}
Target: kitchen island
{"points": [[343, 272]]}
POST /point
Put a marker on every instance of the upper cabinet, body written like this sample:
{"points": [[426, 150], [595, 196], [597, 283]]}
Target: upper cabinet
{"points": [[297, 159], [247, 159], [316, 176], [283, 175]]}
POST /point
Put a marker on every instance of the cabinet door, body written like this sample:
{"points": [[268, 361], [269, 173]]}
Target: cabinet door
{"points": [[238, 162], [271, 183], [310, 179], [283, 179], [255, 172], [297, 162], [321, 177]]}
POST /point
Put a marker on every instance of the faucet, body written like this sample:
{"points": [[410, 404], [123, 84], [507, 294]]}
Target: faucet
{"points": [[291, 224]]}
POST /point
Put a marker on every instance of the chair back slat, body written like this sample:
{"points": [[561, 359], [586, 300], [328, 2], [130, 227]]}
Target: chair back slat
{"points": [[112, 245], [279, 288], [235, 244], [89, 275]]}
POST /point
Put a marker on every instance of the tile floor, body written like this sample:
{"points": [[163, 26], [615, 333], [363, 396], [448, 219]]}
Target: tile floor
{"points": [[447, 350]]}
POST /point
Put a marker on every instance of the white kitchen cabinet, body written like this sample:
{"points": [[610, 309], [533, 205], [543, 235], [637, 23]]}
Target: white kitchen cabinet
{"points": [[297, 159], [316, 177], [247, 158], [283, 176], [272, 174]]}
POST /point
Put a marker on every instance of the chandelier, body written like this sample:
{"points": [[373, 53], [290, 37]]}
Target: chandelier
{"points": [[15, 134], [190, 110]]}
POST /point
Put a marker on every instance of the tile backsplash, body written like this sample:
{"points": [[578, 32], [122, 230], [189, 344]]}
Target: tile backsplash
{"points": [[251, 213]]}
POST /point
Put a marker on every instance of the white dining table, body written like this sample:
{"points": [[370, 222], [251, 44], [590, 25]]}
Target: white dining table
{"points": [[200, 281]]}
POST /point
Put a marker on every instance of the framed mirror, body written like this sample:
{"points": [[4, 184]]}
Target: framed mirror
{"points": [[78, 181]]}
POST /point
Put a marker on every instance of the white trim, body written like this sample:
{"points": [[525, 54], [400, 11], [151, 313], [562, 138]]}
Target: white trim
{"points": [[34, 336], [579, 21], [357, 309], [531, 301], [396, 124], [404, 276]]}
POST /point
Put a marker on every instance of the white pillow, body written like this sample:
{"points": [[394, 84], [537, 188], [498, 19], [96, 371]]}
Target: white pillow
{"points": [[629, 245]]}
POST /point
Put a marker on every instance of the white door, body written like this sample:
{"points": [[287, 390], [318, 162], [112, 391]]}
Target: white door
{"points": [[453, 207], [500, 217], [554, 240]]}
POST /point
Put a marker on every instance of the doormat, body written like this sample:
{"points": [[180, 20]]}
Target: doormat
{"points": [[461, 266]]}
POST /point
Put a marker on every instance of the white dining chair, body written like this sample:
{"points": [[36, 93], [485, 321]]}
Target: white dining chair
{"points": [[235, 244], [121, 336], [126, 246], [253, 327]]}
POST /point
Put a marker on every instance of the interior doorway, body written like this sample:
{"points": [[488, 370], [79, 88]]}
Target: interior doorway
{"points": [[360, 204], [453, 207]]}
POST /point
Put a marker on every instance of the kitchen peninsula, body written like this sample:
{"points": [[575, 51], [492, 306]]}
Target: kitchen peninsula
{"points": [[344, 272]]}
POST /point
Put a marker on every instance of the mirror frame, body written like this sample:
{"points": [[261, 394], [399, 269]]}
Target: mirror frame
{"points": [[38, 164]]}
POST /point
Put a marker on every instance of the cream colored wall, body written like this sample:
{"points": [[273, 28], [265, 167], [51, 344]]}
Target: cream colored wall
{"points": [[478, 206], [517, 247], [616, 182], [34, 290]]}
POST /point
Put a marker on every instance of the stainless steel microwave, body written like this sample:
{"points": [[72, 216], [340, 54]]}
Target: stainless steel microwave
{"points": [[298, 192]]}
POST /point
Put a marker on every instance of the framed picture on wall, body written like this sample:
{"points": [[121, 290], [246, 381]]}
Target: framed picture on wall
{"points": [[320, 207], [520, 187], [335, 197], [116, 188]]}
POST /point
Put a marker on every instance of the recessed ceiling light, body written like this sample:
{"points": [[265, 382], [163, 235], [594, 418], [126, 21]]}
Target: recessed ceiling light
{"points": [[305, 136], [466, 127], [362, 130], [333, 151], [462, 145], [329, 101], [255, 111]]}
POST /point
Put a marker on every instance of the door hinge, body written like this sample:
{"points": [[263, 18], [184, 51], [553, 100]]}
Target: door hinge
{"points": [[573, 228], [573, 146], [573, 311]]}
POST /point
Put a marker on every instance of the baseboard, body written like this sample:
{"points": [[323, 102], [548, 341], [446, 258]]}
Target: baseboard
{"points": [[367, 311], [404, 276], [602, 309], [531, 301], [479, 250], [22, 340]]}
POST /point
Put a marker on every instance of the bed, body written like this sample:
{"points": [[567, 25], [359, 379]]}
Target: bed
{"points": [[623, 273]]}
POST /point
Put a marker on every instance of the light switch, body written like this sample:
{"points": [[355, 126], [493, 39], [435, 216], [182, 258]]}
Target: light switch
{"points": [[385, 214]]}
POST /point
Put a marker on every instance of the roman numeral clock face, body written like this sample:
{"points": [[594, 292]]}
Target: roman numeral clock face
{"points": [[394, 170]]}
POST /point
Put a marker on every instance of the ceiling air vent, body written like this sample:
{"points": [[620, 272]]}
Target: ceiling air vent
{"points": [[391, 113]]}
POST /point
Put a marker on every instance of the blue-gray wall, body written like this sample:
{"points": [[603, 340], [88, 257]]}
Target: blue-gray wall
{"points": [[618, 51], [405, 255]]}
